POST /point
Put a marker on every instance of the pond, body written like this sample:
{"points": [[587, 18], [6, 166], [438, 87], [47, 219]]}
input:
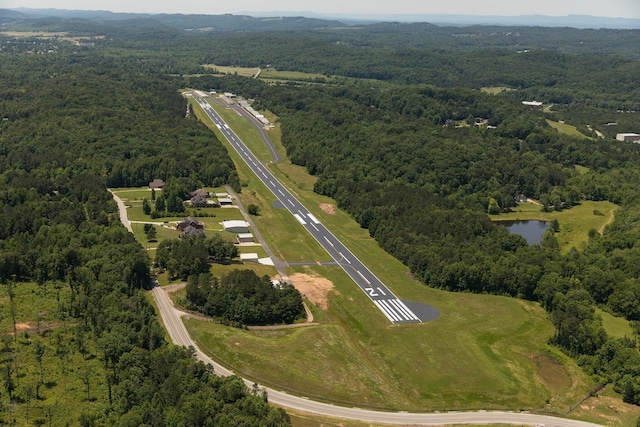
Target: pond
{"points": [[531, 230]]}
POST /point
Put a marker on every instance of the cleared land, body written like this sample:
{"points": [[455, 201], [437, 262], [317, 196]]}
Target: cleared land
{"points": [[567, 129], [575, 223]]}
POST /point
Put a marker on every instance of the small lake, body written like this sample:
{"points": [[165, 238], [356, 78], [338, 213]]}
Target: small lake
{"points": [[531, 230]]}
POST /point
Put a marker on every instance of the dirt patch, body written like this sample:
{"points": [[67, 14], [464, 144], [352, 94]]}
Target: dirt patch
{"points": [[315, 288], [327, 208], [23, 326], [551, 372]]}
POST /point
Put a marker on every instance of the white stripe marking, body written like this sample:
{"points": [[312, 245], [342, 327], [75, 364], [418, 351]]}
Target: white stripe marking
{"points": [[280, 191], [344, 257], [291, 202], [405, 313], [300, 212], [410, 313], [300, 220], [313, 218], [272, 184], [363, 278], [314, 227], [391, 310], [383, 311], [325, 238]]}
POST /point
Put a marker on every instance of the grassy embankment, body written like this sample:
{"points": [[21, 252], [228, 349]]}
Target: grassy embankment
{"points": [[483, 352]]}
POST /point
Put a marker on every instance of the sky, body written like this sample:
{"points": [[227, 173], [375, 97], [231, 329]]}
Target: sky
{"points": [[608, 8]]}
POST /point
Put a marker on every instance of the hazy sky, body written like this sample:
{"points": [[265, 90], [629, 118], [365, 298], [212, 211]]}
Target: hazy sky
{"points": [[611, 8]]}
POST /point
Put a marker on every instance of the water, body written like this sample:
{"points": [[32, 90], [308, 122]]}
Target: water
{"points": [[531, 230]]}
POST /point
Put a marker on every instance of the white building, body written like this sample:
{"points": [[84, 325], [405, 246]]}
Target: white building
{"points": [[236, 226], [629, 137], [249, 257], [245, 238]]}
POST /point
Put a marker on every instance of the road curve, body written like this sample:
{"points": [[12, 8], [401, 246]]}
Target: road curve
{"points": [[179, 335]]}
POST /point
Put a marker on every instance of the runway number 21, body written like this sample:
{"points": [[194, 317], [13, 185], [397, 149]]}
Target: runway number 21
{"points": [[372, 292]]}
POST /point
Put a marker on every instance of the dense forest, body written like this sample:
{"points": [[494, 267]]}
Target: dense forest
{"points": [[404, 141], [73, 125]]}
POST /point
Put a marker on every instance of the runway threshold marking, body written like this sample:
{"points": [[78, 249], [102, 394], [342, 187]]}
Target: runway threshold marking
{"points": [[300, 220]]}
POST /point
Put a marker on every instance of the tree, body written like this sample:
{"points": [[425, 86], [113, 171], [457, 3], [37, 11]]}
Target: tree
{"points": [[146, 206], [151, 233], [160, 203], [253, 209], [493, 208]]}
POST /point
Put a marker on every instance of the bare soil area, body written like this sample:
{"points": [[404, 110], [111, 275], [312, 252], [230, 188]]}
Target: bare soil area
{"points": [[327, 208], [315, 288]]}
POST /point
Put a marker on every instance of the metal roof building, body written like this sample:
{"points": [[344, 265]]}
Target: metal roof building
{"points": [[236, 226]]}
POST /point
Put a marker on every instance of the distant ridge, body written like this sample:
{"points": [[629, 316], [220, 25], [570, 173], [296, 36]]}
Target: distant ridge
{"points": [[575, 21]]}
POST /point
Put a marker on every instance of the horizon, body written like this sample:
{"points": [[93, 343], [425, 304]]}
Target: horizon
{"points": [[625, 9]]}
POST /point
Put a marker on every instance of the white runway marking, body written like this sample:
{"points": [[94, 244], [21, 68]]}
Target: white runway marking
{"points": [[300, 220], [313, 218]]}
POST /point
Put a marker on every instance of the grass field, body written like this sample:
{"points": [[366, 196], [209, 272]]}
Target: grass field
{"points": [[616, 327], [575, 223], [271, 75], [567, 129], [493, 90], [241, 71]]}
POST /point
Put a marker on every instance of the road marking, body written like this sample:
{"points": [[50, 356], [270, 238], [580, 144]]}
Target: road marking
{"points": [[389, 310], [272, 184], [300, 220], [291, 202], [300, 212], [363, 278], [264, 174], [382, 291], [314, 227], [325, 238], [280, 191], [218, 126], [313, 218], [383, 311], [406, 311]]}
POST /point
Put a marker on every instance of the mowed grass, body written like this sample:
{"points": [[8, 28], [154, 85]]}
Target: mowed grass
{"points": [[492, 354], [483, 352], [616, 327], [567, 129], [241, 71], [493, 90], [575, 223]]}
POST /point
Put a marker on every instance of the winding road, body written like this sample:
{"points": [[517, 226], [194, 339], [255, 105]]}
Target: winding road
{"points": [[171, 318]]}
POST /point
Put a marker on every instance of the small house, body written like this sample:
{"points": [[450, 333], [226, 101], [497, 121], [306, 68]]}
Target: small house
{"points": [[198, 201], [225, 201], [156, 184]]}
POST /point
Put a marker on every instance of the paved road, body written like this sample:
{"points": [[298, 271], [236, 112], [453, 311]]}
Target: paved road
{"points": [[391, 306], [179, 335], [123, 211]]}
